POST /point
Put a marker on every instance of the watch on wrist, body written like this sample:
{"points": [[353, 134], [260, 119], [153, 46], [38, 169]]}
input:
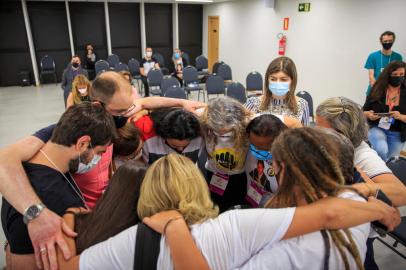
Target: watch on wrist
{"points": [[32, 212]]}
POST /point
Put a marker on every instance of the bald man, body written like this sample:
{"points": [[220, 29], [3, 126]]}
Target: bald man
{"points": [[114, 92]]}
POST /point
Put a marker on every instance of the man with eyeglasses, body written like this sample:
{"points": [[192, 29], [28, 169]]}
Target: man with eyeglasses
{"points": [[378, 60], [113, 92]]}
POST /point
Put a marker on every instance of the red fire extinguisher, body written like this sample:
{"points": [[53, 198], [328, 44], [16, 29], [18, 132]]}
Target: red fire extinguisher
{"points": [[282, 45]]}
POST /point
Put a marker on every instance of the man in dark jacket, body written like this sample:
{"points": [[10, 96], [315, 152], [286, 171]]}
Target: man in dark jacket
{"points": [[69, 75]]}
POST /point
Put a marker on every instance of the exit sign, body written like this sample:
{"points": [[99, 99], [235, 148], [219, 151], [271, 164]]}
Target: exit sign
{"points": [[304, 7]]}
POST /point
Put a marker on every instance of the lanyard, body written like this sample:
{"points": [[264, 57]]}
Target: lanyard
{"points": [[390, 56], [73, 186], [393, 100]]}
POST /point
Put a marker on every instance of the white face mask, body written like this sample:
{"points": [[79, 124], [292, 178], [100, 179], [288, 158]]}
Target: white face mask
{"points": [[84, 168], [148, 54], [82, 90]]}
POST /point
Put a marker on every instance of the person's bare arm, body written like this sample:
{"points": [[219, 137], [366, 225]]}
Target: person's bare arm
{"points": [[72, 263], [389, 184], [142, 71], [335, 213], [184, 252], [291, 122], [160, 102], [46, 229], [371, 77], [157, 66], [69, 101]]}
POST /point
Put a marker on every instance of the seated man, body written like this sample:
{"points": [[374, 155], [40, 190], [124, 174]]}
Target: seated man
{"points": [[82, 134]]}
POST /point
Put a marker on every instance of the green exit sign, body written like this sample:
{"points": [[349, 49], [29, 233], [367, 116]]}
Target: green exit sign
{"points": [[304, 7]]}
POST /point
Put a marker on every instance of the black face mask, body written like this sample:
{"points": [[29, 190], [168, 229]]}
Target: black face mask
{"points": [[395, 81], [120, 121], [75, 64], [387, 46]]}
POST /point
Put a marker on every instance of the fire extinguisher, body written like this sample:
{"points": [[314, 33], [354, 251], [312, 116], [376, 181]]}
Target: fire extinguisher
{"points": [[282, 45]]}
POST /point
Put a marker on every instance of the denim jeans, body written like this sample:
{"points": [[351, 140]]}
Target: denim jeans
{"points": [[385, 142]]}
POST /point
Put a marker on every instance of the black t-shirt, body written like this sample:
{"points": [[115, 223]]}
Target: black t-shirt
{"points": [[148, 64], [54, 191]]}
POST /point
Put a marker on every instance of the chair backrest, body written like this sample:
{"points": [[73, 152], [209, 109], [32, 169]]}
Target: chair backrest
{"points": [[398, 167], [201, 63], [216, 66], [236, 90], [224, 71], [215, 85], [101, 65], [47, 63], [254, 81], [167, 82], [175, 92], [306, 96], [186, 57], [155, 77], [161, 60], [113, 60], [134, 67], [121, 66], [190, 75]]}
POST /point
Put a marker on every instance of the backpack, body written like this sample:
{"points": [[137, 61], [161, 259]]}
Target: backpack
{"points": [[146, 248]]}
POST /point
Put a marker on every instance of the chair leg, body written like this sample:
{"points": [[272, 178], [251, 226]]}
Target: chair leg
{"points": [[56, 79]]}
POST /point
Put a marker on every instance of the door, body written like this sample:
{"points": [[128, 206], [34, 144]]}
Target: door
{"points": [[213, 40]]}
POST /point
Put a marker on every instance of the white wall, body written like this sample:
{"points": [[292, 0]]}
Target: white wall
{"points": [[329, 44]]}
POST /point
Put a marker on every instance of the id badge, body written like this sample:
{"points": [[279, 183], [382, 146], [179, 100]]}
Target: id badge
{"points": [[254, 194], [385, 122], [218, 183]]}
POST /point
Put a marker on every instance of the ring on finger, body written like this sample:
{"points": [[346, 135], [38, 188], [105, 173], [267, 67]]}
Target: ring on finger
{"points": [[43, 249]]}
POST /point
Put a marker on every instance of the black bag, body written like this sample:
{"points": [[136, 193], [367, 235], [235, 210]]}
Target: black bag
{"points": [[146, 248], [24, 78]]}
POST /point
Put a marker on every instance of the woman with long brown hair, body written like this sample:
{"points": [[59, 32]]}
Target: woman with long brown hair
{"points": [[80, 91], [385, 109], [278, 95]]}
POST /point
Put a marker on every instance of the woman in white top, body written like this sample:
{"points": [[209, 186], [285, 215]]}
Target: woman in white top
{"points": [[279, 92], [226, 242]]}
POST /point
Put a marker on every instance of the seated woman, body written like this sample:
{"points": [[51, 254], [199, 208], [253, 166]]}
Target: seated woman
{"points": [[178, 64], [227, 241], [175, 130], [127, 146], [80, 91], [385, 109], [279, 92]]}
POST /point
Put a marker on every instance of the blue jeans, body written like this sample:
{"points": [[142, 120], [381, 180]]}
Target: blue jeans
{"points": [[387, 143]]}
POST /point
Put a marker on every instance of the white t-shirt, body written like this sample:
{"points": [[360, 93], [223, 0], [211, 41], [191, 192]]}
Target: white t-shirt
{"points": [[368, 161], [307, 251], [226, 242]]}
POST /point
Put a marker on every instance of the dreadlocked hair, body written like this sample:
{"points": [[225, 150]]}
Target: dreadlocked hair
{"points": [[311, 168]]}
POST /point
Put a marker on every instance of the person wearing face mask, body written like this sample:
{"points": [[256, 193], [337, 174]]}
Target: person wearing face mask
{"points": [[385, 109], [174, 130], [178, 64], [74, 69], [147, 63], [82, 134], [79, 92], [378, 60], [90, 59], [279, 92]]}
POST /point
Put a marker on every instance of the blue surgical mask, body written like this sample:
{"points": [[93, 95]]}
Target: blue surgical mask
{"points": [[84, 168], [260, 154], [176, 55], [279, 88]]}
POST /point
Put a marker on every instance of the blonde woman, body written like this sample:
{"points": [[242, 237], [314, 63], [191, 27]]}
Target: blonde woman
{"points": [[227, 241], [80, 91], [279, 92], [224, 123]]}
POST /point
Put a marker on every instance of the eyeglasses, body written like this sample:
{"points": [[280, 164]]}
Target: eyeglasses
{"points": [[124, 112]]}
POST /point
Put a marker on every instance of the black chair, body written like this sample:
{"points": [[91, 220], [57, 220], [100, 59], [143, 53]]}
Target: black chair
{"points": [[113, 60], [224, 71], [191, 81], [186, 57], [161, 61], [175, 92], [254, 82], [216, 66], [121, 67], [215, 85], [48, 68], [236, 90], [155, 78], [134, 68], [398, 167], [201, 64], [306, 96], [101, 66], [167, 82]]}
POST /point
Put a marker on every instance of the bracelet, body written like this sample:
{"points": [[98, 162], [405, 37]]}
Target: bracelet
{"points": [[169, 222]]}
